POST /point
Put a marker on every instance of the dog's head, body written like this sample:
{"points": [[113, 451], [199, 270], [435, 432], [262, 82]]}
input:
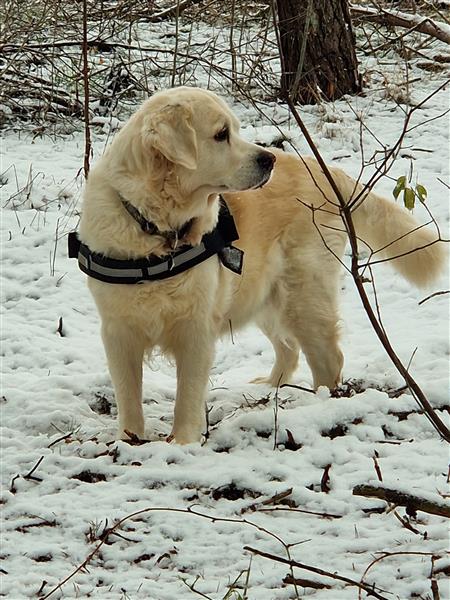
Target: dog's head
{"points": [[199, 135]]}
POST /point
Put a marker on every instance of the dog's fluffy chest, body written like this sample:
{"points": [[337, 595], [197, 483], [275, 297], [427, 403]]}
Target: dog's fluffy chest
{"points": [[157, 306]]}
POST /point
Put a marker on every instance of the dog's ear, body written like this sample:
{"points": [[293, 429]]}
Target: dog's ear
{"points": [[169, 130]]}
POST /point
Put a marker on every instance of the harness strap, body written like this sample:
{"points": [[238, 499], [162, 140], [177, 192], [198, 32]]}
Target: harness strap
{"points": [[171, 236], [111, 270]]}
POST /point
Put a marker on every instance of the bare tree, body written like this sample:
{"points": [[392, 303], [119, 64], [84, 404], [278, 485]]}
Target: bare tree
{"points": [[318, 50]]}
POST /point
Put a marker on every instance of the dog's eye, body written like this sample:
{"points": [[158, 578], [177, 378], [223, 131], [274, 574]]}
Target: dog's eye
{"points": [[223, 135]]}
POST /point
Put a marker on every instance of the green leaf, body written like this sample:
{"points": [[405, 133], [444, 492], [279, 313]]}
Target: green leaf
{"points": [[409, 198], [401, 184], [421, 192]]}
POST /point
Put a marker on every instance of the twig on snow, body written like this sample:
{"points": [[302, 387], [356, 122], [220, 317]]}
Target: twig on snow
{"points": [[434, 583], [325, 481], [297, 387], [433, 295], [12, 487], [30, 474], [405, 523], [435, 590], [61, 439], [275, 499], [301, 510], [60, 329], [192, 587], [377, 466]]}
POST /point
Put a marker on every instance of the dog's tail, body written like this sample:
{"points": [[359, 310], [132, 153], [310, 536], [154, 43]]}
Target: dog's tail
{"points": [[393, 234]]}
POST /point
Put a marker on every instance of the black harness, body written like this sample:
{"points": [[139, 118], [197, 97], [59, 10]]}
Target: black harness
{"points": [[139, 270], [172, 236]]}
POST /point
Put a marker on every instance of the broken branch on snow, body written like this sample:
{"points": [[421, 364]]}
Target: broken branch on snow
{"points": [[415, 22], [399, 498]]}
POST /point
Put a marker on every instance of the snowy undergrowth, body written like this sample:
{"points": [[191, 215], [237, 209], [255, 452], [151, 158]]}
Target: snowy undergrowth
{"points": [[66, 482]]}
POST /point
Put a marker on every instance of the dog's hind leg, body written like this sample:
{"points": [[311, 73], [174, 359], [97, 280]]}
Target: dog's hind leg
{"points": [[311, 312], [312, 316], [312, 325], [303, 313], [318, 335], [286, 360], [124, 348]]}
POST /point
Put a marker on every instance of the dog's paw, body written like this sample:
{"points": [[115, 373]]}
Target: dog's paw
{"points": [[260, 380], [184, 437]]}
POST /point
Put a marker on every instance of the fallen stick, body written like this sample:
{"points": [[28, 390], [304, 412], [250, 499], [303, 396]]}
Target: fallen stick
{"points": [[268, 501], [293, 563], [403, 499], [306, 583], [400, 19]]}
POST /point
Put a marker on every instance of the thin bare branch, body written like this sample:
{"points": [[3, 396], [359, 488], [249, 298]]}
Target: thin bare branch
{"points": [[108, 531], [434, 295]]}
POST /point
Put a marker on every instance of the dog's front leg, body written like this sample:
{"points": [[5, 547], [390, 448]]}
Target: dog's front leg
{"points": [[124, 347], [194, 353]]}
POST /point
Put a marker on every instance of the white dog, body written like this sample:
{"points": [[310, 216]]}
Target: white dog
{"points": [[155, 194]]}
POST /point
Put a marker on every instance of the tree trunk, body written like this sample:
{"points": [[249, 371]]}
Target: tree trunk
{"points": [[317, 48]]}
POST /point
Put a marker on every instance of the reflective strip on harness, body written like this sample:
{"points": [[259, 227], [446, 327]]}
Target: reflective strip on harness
{"points": [[112, 270], [92, 267]]}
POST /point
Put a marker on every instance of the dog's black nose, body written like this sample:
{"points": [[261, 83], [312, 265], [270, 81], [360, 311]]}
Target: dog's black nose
{"points": [[265, 160]]}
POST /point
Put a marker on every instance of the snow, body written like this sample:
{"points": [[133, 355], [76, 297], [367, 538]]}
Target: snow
{"points": [[202, 504]]}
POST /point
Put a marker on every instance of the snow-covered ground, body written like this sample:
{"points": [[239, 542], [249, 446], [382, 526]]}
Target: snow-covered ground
{"points": [[58, 412]]}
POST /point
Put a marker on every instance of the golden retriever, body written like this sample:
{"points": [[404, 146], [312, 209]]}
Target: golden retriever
{"points": [[170, 161]]}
